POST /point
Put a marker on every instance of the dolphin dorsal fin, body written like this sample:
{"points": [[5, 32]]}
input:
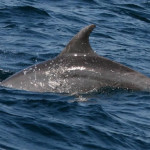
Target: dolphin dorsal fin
{"points": [[79, 44]]}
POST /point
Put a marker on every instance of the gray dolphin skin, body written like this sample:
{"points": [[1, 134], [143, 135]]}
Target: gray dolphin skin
{"points": [[77, 70]]}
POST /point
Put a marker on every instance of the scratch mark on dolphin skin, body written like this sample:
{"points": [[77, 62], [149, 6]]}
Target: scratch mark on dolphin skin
{"points": [[76, 68]]}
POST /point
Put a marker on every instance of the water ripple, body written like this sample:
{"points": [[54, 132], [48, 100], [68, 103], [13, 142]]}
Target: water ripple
{"points": [[34, 31]]}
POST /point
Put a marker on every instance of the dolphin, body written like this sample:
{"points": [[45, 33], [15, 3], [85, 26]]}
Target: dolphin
{"points": [[77, 70]]}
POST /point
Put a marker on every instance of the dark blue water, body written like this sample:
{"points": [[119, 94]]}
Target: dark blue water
{"points": [[33, 31]]}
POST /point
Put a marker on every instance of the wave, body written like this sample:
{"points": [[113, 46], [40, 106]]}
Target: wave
{"points": [[31, 10], [127, 10], [23, 11], [4, 74]]}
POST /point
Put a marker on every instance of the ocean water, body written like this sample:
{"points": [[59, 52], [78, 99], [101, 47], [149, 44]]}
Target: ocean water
{"points": [[33, 31]]}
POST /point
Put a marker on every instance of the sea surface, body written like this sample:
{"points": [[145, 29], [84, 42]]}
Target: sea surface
{"points": [[32, 31]]}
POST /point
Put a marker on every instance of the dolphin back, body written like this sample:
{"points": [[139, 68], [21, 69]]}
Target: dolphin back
{"points": [[77, 69]]}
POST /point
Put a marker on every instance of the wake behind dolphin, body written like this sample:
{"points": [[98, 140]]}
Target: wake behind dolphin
{"points": [[77, 70]]}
